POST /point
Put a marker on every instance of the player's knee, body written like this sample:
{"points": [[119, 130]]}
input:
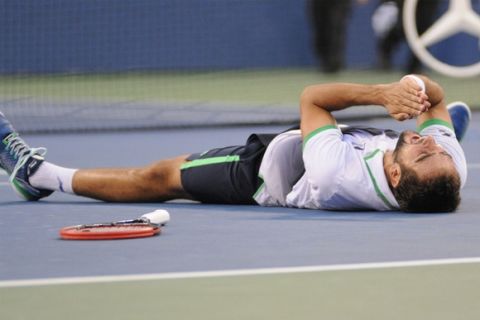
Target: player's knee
{"points": [[153, 175], [164, 174]]}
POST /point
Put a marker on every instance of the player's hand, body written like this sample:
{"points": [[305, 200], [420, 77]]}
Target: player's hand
{"points": [[405, 99]]}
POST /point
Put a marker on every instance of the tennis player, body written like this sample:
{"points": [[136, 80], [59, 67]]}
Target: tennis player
{"points": [[320, 166]]}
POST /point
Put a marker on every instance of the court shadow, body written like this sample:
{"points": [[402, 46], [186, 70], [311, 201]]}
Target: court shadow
{"points": [[281, 213], [252, 212]]}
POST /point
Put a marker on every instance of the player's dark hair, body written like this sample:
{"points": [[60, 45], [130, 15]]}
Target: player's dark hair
{"points": [[433, 194]]}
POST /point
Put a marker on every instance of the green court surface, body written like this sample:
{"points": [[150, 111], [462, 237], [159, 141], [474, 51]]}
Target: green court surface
{"points": [[154, 100], [249, 87], [421, 292]]}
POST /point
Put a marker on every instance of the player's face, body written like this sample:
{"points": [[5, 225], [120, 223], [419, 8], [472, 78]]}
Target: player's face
{"points": [[422, 154]]}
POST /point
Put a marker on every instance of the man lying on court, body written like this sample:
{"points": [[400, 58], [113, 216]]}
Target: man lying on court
{"points": [[320, 166]]}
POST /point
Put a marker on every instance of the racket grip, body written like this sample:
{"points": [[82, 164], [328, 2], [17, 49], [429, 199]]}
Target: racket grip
{"points": [[160, 217]]}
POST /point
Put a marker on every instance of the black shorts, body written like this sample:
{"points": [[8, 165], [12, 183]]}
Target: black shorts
{"points": [[226, 175]]}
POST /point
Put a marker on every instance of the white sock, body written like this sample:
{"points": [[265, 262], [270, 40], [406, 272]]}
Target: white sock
{"points": [[51, 177]]}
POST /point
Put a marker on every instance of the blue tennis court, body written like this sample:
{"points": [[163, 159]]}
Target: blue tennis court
{"points": [[225, 254]]}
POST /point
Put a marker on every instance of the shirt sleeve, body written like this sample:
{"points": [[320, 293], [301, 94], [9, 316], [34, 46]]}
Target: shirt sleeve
{"points": [[444, 135], [324, 155]]}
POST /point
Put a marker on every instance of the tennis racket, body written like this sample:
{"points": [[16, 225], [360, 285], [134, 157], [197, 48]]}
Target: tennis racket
{"points": [[146, 226]]}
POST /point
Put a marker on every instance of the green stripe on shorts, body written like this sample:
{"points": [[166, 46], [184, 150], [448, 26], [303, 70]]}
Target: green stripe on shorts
{"points": [[208, 161]]}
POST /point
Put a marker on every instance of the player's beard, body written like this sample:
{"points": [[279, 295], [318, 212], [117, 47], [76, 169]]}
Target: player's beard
{"points": [[401, 143]]}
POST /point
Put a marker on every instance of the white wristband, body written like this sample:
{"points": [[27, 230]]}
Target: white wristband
{"points": [[417, 80]]}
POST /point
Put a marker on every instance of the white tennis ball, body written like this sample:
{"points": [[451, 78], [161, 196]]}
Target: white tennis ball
{"points": [[418, 80], [159, 216]]}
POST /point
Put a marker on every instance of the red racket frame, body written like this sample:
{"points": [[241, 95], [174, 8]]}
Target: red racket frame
{"points": [[109, 231]]}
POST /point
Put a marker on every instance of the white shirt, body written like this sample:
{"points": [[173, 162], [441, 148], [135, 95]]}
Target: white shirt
{"points": [[341, 172]]}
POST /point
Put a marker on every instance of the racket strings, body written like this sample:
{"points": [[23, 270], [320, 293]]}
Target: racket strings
{"points": [[116, 226], [106, 232]]}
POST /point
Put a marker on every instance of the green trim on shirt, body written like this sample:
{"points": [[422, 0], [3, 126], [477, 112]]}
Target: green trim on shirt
{"points": [[208, 161], [374, 181], [432, 122], [371, 154], [314, 132]]}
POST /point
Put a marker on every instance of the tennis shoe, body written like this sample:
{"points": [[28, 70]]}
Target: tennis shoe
{"points": [[20, 161], [460, 114]]}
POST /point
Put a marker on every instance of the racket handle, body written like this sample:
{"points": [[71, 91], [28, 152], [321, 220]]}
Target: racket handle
{"points": [[160, 217]]}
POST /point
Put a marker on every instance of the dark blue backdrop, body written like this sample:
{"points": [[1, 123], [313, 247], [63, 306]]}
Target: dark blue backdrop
{"points": [[118, 35]]}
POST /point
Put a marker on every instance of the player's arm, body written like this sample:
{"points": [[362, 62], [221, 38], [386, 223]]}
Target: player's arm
{"points": [[403, 100], [436, 97]]}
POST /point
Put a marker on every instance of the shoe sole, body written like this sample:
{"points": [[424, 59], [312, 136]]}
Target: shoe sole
{"points": [[21, 192]]}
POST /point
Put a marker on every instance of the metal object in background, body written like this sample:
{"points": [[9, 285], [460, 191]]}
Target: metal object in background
{"points": [[460, 17]]}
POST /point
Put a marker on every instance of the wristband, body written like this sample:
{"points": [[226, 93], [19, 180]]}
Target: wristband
{"points": [[418, 80]]}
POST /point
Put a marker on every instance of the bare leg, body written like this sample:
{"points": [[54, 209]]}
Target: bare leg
{"points": [[157, 182]]}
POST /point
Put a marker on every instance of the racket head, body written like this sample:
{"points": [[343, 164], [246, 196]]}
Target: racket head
{"points": [[109, 231]]}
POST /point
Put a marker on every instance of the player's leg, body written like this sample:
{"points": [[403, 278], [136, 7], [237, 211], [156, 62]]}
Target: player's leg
{"points": [[221, 175], [336, 34], [319, 20], [159, 181], [389, 43], [424, 18], [34, 178]]}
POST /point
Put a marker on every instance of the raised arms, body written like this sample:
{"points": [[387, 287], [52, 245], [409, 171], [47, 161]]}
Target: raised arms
{"points": [[403, 100]]}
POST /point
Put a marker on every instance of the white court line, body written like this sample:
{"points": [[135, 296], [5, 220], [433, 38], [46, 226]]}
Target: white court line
{"points": [[234, 273], [3, 184]]}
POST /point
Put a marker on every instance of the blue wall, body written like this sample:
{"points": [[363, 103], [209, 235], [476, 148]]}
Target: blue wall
{"points": [[116, 35]]}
